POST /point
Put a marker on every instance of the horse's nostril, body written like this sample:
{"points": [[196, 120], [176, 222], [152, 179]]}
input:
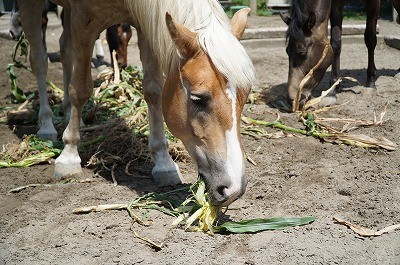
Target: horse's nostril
{"points": [[221, 191]]}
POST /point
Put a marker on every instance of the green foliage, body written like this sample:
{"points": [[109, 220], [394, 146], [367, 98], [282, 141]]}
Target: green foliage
{"points": [[258, 225], [311, 125], [18, 93], [354, 15], [262, 9], [22, 46], [262, 5], [240, 2], [30, 151]]}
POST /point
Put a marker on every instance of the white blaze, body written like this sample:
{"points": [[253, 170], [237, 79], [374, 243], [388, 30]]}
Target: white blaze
{"points": [[234, 161]]}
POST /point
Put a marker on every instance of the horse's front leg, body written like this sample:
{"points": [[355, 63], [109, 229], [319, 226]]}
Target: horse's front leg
{"points": [[166, 171], [336, 19], [31, 19], [370, 39], [396, 5], [67, 55], [83, 36]]}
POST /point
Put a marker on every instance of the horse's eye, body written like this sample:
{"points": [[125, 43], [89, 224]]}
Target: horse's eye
{"points": [[200, 99]]}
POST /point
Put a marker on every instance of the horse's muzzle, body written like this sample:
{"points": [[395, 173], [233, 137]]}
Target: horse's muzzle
{"points": [[14, 36], [223, 195]]}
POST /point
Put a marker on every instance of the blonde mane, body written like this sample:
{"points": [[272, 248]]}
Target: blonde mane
{"points": [[209, 21]]}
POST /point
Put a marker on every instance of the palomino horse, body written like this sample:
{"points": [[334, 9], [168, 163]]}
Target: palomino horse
{"points": [[307, 39], [197, 76]]}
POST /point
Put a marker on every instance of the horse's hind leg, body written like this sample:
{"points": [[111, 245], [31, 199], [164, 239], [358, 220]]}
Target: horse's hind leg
{"points": [[83, 36], [31, 19], [370, 39], [165, 171]]}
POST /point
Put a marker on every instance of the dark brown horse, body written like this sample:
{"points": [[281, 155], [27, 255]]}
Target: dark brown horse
{"points": [[307, 40]]}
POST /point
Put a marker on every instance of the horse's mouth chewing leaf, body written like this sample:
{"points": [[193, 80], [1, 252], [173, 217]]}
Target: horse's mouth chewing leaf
{"points": [[198, 209]]}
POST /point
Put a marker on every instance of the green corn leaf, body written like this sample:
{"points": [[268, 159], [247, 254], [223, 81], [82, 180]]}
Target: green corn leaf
{"points": [[30, 160], [258, 225], [16, 91]]}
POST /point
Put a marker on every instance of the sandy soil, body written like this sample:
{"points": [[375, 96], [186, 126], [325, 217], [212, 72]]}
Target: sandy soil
{"points": [[294, 176]]}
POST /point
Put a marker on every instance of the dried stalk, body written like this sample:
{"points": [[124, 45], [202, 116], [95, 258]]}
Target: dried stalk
{"points": [[67, 181], [366, 232], [99, 208], [359, 140], [117, 78], [296, 101], [156, 247], [317, 100]]}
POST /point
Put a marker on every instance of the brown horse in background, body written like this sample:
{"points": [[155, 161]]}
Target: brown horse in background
{"points": [[307, 40]]}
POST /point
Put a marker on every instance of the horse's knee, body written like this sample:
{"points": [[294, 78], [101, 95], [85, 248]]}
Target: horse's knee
{"points": [[38, 61], [370, 39], [336, 40], [152, 90], [79, 97]]}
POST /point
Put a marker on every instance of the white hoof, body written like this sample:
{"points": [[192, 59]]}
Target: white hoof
{"points": [[67, 164], [64, 171], [167, 176]]}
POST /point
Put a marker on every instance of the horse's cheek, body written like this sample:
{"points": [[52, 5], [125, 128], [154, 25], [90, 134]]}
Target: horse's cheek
{"points": [[175, 113]]}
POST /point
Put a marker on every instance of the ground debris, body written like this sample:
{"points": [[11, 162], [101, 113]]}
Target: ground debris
{"points": [[364, 231]]}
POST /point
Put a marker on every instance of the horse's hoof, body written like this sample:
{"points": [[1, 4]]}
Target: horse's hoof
{"points": [[64, 171], [47, 135], [372, 91], [167, 177]]}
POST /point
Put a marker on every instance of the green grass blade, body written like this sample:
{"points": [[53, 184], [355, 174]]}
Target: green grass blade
{"points": [[258, 225]]}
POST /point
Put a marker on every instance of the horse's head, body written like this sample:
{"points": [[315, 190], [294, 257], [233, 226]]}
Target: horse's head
{"points": [[15, 24], [306, 42], [203, 110], [124, 35]]}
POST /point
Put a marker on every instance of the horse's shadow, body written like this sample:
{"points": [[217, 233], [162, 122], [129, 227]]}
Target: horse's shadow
{"points": [[115, 154]]}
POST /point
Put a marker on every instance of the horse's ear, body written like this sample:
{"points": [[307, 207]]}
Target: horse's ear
{"points": [[184, 39], [312, 19], [286, 18], [239, 21]]}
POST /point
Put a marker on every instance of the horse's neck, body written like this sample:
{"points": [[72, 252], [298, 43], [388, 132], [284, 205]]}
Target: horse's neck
{"points": [[148, 17], [205, 17], [322, 10]]}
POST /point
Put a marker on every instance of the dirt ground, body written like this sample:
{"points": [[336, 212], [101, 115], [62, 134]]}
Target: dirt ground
{"points": [[294, 176]]}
